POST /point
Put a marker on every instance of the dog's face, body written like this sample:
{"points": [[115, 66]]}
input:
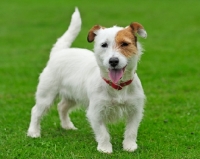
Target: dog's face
{"points": [[115, 47]]}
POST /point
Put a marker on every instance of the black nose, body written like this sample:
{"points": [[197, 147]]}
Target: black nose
{"points": [[113, 61]]}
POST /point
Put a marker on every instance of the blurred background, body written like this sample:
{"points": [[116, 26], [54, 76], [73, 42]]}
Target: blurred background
{"points": [[169, 71]]}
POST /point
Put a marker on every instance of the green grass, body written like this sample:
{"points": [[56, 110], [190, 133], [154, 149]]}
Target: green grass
{"points": [[169, 71]]}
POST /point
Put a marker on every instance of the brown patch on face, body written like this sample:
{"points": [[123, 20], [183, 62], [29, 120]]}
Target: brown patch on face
{"points": [[126, 42]]}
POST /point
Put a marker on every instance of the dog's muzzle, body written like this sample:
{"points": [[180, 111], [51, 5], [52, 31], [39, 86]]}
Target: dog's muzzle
{"points": [[113, 61]]}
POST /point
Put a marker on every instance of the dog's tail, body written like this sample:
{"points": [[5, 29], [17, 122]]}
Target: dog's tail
{"points": [[68, 37]]}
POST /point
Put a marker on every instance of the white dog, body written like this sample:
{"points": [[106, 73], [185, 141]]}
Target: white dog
{"points": [[104, 81]]}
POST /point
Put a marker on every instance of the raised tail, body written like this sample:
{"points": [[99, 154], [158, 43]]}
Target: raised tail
{"points": [[68, 37]]}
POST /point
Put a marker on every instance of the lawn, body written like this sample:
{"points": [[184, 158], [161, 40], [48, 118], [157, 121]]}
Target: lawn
{"points": [[169, 71]]}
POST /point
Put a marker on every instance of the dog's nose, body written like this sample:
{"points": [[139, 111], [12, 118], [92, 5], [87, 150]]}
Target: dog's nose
{"points": [[113, 61]]}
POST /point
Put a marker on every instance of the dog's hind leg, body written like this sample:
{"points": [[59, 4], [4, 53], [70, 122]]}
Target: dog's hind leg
{"points": [[45, 95], [63, 110]]}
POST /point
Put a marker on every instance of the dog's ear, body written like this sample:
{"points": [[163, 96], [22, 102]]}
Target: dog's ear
{"points": [[92, 33], [138, 28]]}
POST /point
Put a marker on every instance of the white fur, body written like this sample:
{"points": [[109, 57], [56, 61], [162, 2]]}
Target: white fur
{"points": [[76, 75]]}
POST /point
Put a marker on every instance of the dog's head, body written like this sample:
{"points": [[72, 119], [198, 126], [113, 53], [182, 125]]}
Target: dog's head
{"points": [[116, 49]]}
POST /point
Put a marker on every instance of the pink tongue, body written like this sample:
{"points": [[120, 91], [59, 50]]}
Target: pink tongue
{"points": [[115, 74]]}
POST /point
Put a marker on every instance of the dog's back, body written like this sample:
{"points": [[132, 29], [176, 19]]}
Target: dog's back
{"points": [[73, 70]]}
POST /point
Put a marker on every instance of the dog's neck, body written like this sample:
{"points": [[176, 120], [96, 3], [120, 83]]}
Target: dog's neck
{"points": [[119, 85]]}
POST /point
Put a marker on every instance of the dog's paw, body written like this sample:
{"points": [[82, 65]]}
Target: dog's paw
{"points": [[129, 146], [69, 126], [33, 134], [105, 148]]}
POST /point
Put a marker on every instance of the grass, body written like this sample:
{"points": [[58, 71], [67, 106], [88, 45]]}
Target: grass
{"points": [[169, 71]]}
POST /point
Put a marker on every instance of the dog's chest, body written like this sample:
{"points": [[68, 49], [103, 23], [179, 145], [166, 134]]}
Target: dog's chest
{"points": [[118, 101], [117, 107], [118, 98], [115, 111]]}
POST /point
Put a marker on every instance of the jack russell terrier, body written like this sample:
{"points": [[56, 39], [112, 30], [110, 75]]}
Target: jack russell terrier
{"points": [[104, 81]]}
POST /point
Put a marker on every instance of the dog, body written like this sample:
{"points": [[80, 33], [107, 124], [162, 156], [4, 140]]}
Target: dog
{"points": [[104, 81]]}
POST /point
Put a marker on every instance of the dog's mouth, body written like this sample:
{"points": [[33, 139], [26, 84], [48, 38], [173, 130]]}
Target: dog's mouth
{"points": [[116, 74]]}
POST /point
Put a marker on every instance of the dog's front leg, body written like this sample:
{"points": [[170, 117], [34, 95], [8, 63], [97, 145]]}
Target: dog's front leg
{"points": [[130, 135], [101, 134]]}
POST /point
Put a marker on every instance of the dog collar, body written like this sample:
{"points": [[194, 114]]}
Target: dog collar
{"points": [[120, 85]]}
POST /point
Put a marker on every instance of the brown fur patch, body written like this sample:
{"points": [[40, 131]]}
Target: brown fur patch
{"points": [[126, 42], [136, 27], [91, 34]]}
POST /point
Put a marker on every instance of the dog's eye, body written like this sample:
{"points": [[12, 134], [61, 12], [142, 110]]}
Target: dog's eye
{"points": [[124, 44], [104, 45]]}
